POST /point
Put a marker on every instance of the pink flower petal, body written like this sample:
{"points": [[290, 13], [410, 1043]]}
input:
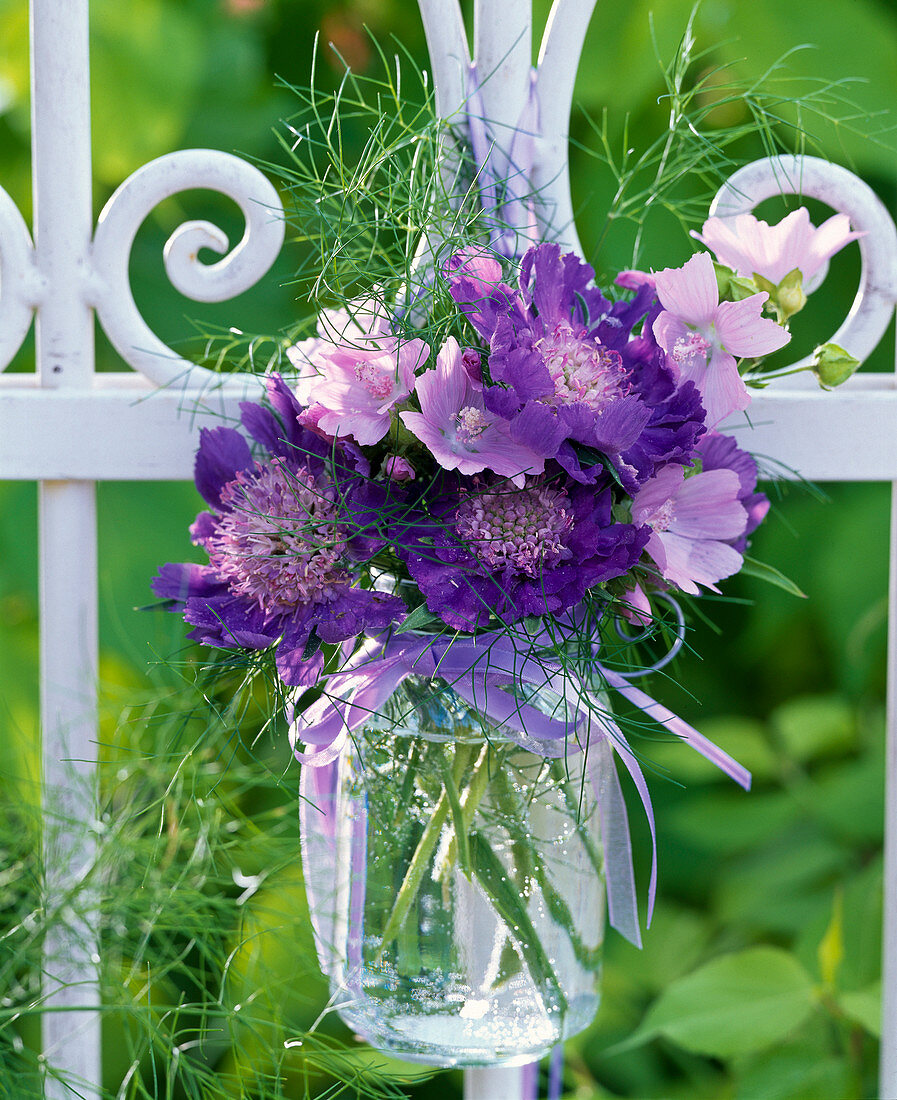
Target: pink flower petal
{"points": [[723, 391], [690, 292], [707, 507], [637, 606], [691, 562], [750, 246], [668, 329], [833, 235], [656, 492], [743, 332], [443, 392]]}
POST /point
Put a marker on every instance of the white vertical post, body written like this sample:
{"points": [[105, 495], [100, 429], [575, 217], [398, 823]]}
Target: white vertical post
{"points": [[63, 223], [494, 1082], [888, 1064]]}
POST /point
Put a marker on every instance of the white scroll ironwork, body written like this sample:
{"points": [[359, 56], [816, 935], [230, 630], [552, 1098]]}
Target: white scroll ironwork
{"points": [[845, 193], [20, 285], [516, 99], [240, 269]]}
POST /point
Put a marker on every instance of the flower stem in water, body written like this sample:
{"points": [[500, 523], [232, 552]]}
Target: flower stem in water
{"points": [[425, 846]]}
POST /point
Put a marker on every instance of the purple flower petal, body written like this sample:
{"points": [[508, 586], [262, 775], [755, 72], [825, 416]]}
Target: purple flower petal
{"points": [[222, 454], [179, 581], [296, 670]]}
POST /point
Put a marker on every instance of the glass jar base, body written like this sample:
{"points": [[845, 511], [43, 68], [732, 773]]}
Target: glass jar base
{"points": [[471, 1036]]}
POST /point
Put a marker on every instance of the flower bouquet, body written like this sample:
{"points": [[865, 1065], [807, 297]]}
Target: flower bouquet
{"points": [[446, 526]]}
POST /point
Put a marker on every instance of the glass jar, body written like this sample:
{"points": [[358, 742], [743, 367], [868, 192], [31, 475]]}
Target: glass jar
{"points": [[455, 883]]}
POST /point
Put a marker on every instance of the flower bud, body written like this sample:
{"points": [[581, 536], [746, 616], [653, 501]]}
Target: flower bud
{"points": [[785, 298], [833, 365], [397, 468], [790, 296], [732, 287], [741, 288], [472, 364]]}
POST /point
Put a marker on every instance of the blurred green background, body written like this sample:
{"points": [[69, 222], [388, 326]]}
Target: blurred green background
{"points": [[759, 977]]}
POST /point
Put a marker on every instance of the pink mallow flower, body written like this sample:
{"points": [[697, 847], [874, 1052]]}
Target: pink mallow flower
{"points": [[702, 336], [753, 247], [456, 428], [354, 372], [691, 519]]}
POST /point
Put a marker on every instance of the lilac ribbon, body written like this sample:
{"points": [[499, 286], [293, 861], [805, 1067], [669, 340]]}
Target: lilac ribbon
{"points": [[477, 668]]}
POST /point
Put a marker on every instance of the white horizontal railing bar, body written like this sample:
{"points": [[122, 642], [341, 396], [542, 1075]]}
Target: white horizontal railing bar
{"points": [[121, 430], [124, 429]]}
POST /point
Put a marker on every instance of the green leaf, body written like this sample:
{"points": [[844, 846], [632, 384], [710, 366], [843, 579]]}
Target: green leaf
{"points": [[769, 573], [831, 946], [864, 1007], [813, 726], [312, 645], [419, 619], [587, 457], [802, 1073], [461, 843], [736, 1004], [795, 868]]}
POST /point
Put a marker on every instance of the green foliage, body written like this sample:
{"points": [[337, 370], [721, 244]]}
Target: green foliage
{"points": [[735, 1004]]}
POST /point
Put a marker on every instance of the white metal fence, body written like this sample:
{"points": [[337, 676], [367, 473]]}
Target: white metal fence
{"points": [[67, 427]]}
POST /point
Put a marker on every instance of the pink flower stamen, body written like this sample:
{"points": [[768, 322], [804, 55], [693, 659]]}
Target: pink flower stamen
{"points": [[472, 422], [378, 382], [278, 542], [687, 346], [524, 529], [581, 369], [661, 518]]}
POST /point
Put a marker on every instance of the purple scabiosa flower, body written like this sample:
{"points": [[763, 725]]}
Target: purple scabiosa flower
{"points": [[693, 521], [702, 336], [569, 374], [489, 548], [753, 247], [354, 372], [457, 429], [720, 452], [280, 540]]}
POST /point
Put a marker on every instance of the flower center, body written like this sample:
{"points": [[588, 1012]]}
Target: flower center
{"points": [[521, 528], [581, 369], [471, 423], [690, 346], [279, 542], [378, 381], [661, 518]]}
